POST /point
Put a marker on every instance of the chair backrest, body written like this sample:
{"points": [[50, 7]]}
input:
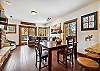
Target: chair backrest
{"points": [[70, 41], [38, 48]]}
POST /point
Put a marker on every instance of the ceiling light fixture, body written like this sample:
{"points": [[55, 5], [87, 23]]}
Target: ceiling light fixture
{"points": [[34, 12], [8, 2]]}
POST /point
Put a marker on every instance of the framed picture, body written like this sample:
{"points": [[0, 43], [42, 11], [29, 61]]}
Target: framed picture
{"points": [[89, 21], [11, 28], [55, 29]]}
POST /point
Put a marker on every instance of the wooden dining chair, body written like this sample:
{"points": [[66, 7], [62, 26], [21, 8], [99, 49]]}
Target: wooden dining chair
{"points": [[67, 52], [41, 56]]}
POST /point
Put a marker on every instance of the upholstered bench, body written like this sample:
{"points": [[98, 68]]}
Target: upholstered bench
{"points": [[93, 56], [4, 53], [88, 64]]}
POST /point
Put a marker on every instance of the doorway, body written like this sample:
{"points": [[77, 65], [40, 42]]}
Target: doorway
{"points": [[70, 29], [24, 33]]}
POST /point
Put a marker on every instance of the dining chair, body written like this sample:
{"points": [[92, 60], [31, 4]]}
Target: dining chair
{"points": [[67, 53], [41, 56]]}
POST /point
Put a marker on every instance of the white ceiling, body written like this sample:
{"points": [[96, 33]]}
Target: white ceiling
{"points": [[21, 9]]}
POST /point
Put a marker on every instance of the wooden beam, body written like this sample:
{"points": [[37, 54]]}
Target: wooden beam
{"points": [[28, 23]]}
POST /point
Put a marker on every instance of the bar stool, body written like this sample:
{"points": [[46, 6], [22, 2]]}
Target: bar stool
{"points": [[88, 64]]}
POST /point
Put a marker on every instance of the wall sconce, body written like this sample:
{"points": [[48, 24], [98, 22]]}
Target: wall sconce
{"points": [[89, 37]]}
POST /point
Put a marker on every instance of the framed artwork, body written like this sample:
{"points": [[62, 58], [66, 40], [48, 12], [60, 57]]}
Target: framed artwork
{"points": [[55, 29], [11, 28], [89, 21], [43, 31]]}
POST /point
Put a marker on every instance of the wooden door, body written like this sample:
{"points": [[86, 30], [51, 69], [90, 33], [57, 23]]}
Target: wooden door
{"points": [[23, 35]]}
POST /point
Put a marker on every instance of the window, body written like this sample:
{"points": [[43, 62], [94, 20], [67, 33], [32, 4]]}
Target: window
{"points": [[11, 28]]}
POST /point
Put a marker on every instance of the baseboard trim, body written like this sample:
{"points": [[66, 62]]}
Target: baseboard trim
{"points": [[17, 45], [80, 54]]}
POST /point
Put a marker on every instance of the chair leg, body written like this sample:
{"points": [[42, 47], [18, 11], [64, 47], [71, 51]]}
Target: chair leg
{"points": [[81, 69], [36, 60], [63, 58], [72, 59], [40, 64], [66, 60], [58, 57], [45, 59]]}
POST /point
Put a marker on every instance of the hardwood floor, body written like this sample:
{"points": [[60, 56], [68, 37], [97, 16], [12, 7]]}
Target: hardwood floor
{"points": [[23, 59]]}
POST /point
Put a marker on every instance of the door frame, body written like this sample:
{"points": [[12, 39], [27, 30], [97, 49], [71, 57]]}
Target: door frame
{"points": [[67, 22], [21, 26]]}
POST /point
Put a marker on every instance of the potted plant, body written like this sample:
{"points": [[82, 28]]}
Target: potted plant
{"points": [[58, 40]]}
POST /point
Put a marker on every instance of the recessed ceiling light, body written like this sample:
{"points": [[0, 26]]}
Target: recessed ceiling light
{"points": [[34, 12], [8, 2]]}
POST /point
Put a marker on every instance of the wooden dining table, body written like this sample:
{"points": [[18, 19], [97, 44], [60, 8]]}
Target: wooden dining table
{"points": [[51, 45]]}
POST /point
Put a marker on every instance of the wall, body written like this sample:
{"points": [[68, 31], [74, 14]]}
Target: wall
{"points": [[99, 20], [53, 23], [14, 36], [99, 25], [82, 44]]}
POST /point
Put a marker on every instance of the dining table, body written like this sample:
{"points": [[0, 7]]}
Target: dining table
{"points": [[51, 45]]}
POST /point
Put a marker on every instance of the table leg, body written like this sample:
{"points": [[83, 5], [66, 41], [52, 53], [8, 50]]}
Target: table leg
{"points": [[75, 50], [49, 60]]}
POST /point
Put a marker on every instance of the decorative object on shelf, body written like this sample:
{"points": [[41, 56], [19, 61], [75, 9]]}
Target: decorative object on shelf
{"points": [[89, 21], [3, 18], [58, 40], [11, 28], [3, 21]]}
